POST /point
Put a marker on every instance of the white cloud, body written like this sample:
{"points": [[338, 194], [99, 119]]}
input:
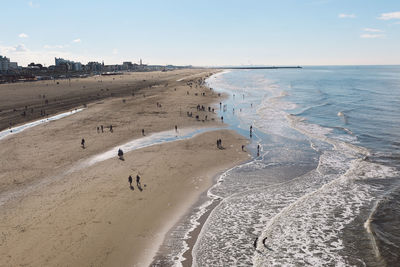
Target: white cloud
{"points": [[53, 46], [389, 16], [371, 36], [372, 30], [347, 16], [23, 35], [76, 40], [13, 49], [32, 4], [20, 48], [115, 51]]}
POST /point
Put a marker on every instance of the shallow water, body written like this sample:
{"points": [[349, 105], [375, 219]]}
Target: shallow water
{"points": [[325, 189]]}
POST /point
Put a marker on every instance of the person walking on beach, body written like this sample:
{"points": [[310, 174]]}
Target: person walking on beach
{"points": [[102, 128], [143, 132], [98, 129], [251, 130], [83, 143], [258, 150], [111, 128], [130, 180], [120, 154], [176, 128], [138, 180], [219, 143]]}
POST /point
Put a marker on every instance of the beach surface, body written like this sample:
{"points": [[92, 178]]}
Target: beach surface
{"points": [[58, 210]]}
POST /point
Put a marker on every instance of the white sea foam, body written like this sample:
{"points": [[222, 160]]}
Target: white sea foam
{"points": [[302, 218]]}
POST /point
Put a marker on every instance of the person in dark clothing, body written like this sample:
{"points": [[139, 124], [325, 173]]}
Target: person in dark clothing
{"points": [[130, 180], [138, 180], [120, 154], [83, 143]]}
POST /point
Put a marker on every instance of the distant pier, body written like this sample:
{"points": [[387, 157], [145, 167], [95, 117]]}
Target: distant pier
{"points": [[261, 68]]}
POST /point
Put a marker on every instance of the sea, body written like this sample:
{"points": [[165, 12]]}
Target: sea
{"points": [[323, 185]]}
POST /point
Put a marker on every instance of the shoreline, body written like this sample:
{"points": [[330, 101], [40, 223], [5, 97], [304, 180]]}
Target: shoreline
{"points": [[210, 203]]}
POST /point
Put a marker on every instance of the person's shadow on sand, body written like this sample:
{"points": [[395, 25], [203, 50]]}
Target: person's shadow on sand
{"points": [[139, 186], [131, 187]]}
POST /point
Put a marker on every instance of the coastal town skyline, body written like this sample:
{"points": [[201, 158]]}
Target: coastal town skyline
{"points": [[314, 32]]}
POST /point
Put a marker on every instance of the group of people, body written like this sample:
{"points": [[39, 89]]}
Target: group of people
{"points": [[101, 128], [138, 184]]}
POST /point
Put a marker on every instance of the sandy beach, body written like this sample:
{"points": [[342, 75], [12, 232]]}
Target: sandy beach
{"points": [[55, 214]]}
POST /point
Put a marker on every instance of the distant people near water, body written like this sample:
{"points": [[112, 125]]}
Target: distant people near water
{"points": [[98, 129], [242, 147], [251, 131], [222, 118], [258, 150], [143, 132], [111, 128], [102, 128], [83, 143], [176, 128]]}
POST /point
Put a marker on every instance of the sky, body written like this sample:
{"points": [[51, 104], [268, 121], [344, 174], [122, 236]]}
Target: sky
{"points": [[203, 32]]}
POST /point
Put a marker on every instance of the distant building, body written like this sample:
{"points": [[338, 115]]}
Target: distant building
{"points": [[94, 66], [77, 66], [13, 65], [127, 65], [70, 65], [4, 64]]}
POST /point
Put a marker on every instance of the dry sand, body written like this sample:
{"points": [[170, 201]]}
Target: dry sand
{"points": [[58, 95], [91, 217]]}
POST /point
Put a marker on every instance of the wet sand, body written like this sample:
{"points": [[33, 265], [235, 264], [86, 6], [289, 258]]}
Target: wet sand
{"points": [[90, 217]]}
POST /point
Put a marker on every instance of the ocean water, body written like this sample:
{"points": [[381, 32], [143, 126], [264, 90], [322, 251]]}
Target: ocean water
{"points": [[325, 188]]}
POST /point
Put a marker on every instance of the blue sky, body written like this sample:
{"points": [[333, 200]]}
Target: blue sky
{"points": [[206, 33]]}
